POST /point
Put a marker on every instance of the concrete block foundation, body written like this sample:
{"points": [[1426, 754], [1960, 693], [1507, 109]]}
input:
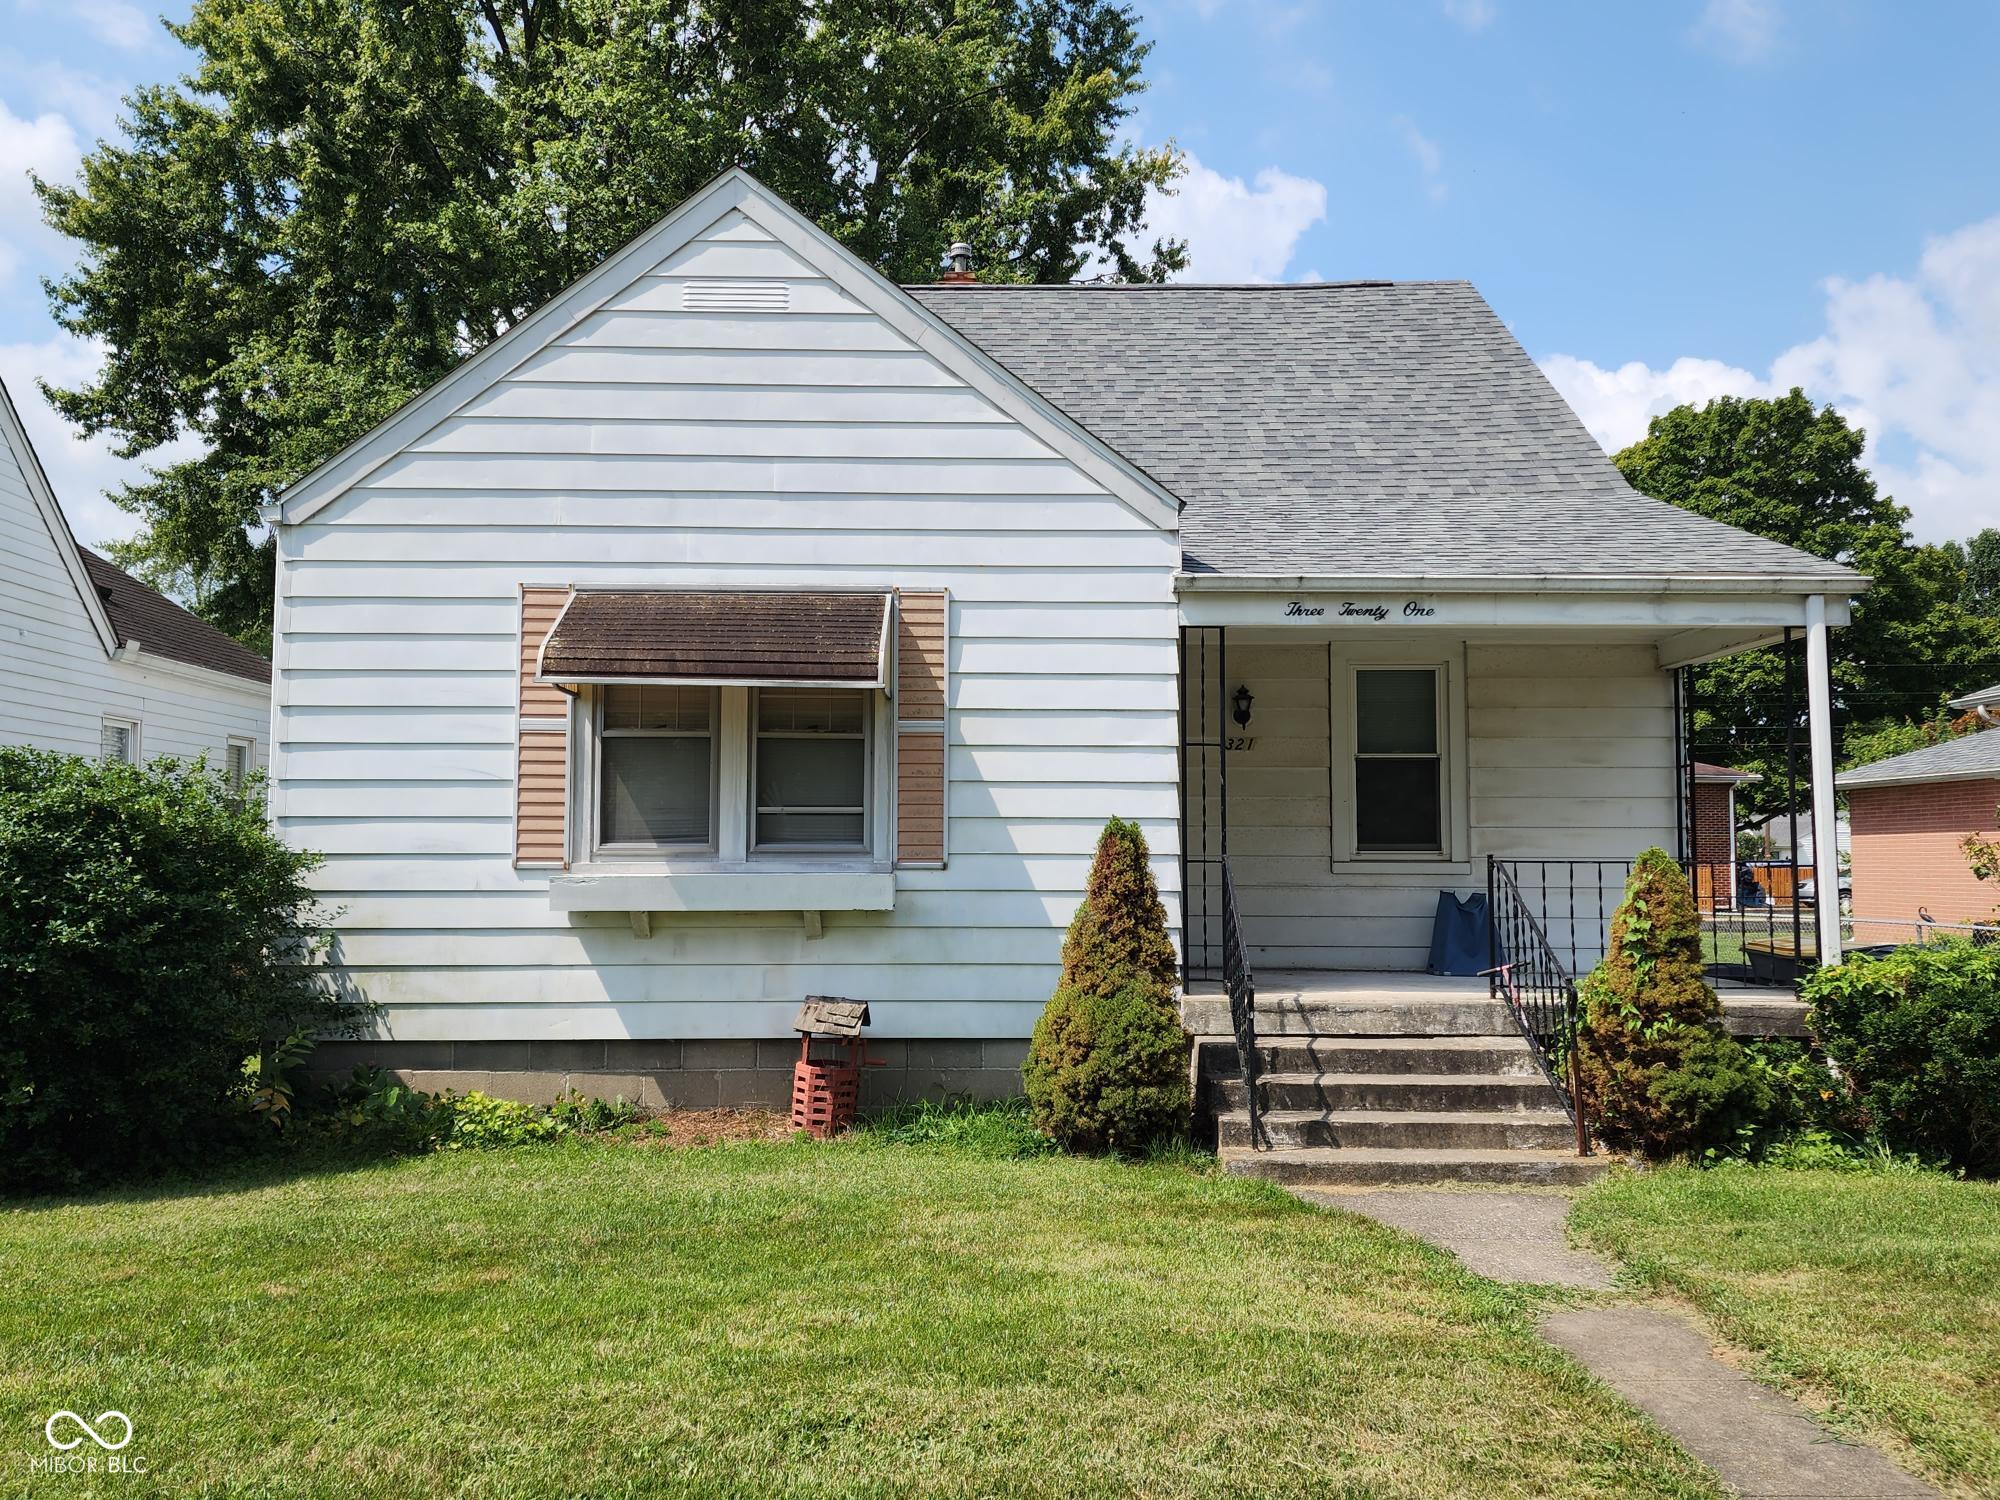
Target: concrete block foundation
{"points": [[699, 1074]]}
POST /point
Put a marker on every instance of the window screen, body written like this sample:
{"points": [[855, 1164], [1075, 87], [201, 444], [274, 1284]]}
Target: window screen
{"points": [[811, 767], [1398, 770], [118, 740], [236, 763], [655, 766]]}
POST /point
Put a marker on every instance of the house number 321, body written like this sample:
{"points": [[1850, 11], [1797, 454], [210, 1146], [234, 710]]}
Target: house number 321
{"points": [[1240, 742]]}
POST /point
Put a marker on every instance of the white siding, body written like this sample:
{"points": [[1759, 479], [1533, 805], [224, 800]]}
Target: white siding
{"points": [[1567, 752], [56, 681], [648, 445]]}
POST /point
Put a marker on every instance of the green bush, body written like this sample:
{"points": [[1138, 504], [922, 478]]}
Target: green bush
{"points": [[1108, 1072], [1120, 932], [1658, 1073], [1107, 1065], [153, 933], [480, 1122], [1918, 1033]]}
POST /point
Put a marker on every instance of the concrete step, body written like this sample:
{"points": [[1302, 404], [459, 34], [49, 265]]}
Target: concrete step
{"points": [[1501, 1092], [1470, 1130], [1373, 1167], [1485, 1055], [1360, 1017]]}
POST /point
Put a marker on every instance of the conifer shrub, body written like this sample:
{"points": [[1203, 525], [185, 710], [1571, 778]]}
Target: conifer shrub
{"points": [[1659, 1075], [1107, 1067]]}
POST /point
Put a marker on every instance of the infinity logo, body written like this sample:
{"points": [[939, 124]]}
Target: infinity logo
{"points": [[49, 1431]]}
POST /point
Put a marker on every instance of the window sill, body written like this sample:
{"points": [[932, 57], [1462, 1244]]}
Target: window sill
{"points": [[850, 888]]}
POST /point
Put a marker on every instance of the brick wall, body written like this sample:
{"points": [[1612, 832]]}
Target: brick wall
{"points": [[1906, 853], [1714, 844]]}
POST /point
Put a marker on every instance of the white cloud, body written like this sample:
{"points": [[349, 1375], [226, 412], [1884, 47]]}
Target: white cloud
{"points": [[80, 469], [1428, 157], [1742, 31], [116, 22], [1237, 231], [1473, 15], [1915, 360], [45, 144]]}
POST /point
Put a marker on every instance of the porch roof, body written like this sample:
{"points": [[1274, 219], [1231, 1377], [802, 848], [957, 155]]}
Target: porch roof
{"points": [[1357, 429]]}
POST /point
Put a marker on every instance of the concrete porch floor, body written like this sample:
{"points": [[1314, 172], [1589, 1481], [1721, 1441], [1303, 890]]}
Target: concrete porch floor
{"points": [[1292, 998]]}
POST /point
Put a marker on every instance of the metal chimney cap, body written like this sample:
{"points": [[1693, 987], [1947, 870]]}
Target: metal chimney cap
{"points": [[959, 257]]}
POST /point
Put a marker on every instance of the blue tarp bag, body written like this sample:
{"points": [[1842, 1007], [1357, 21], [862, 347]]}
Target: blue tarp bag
{"points": [[1459, 940]]}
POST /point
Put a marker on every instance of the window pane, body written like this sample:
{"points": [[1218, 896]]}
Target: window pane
{"points": [[810, 772], [1397, 807], [116, 742], [810, 711], [655, 791], [1395, 711], [666, 707], [238, 764], [809, 828]]}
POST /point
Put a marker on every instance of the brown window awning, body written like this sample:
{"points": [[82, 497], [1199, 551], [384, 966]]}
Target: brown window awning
{"points": [[823, 640]]}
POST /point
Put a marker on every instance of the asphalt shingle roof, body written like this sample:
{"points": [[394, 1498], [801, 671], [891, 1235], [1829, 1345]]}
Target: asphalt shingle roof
{"points": [[1359, 429], [1968, 757], [162, 627]]}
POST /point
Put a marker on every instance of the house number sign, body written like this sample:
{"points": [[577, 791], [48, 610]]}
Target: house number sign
{"points": [[1354, 609]]}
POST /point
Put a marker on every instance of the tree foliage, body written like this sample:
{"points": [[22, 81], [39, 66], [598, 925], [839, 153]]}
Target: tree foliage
{"points": [[1790, 471], [1107, 1064], [153, 932], [1659, 1075], [344, 198]]}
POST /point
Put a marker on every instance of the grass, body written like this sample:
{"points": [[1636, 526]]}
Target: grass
{"points": [[904, 1312], [1876, 1292]]}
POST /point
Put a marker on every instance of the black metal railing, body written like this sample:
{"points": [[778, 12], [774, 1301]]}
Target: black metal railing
{"points": [[1757, 916], [1241, 987], [1527, 974]]}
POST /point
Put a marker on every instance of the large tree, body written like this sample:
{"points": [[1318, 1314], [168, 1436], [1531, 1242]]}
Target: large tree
{"points": [[344, 198], [1791, 471]]}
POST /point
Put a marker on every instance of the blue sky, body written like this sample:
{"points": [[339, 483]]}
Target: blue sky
{"points": [[1666, 201]]}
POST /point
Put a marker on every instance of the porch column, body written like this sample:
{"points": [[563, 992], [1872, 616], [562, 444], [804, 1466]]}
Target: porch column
{"points": [[1819, 733]]}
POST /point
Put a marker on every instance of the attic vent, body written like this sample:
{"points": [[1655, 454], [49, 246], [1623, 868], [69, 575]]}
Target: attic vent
{"points": [[735, 296]]}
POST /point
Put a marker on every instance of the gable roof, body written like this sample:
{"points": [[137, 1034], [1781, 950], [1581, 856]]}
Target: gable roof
{"points": [[1359, 429], [735, 189], [122, 610], [1970, 757], [15, 436], [161, 627]]}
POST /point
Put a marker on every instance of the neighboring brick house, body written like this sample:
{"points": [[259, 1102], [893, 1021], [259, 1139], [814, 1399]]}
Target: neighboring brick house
{"points": [[1713, 851], [1910, 816]]}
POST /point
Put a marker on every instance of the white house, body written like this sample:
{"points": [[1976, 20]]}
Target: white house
{"points": [[93, 662], [741, 626]]}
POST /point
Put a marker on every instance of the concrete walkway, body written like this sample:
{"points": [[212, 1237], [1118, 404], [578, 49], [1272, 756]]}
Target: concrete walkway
{"points": [[1763, 1444]]}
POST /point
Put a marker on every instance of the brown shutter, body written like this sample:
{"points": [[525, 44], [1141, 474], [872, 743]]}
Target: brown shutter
{"points": [[541, 782], [922, 699]]}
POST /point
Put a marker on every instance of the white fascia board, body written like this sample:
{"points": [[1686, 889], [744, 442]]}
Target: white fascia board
{"points": [[16, 437], [735, 190], [1834, 586], [1692, 623], [136, 653]]}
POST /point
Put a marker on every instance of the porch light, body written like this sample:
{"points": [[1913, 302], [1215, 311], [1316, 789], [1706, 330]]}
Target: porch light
{"points": [[1243, 700]]}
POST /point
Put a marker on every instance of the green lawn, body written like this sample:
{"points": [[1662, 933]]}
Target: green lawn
{"points": [[1877, 1292], [857, 1318]]}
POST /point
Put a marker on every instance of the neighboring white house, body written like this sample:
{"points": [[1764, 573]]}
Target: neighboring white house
{"points": [[95, 663], [741, 626]]}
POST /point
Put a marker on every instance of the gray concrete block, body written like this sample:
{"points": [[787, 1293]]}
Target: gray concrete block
{"points": [[714, 1053], [753, 1088], [641, 1054], [566, 1056], [895, 1054], [774, 1054], [682, 1088], [954, 1053], [492, 1057], [1007, 1053], [631, 1087]]}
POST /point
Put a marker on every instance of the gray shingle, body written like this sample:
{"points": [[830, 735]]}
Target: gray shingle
{"points": [[1358, 429], [1968, 757]]}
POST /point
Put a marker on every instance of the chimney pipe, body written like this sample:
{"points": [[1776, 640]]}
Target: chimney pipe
{"points": [[959, 259]]}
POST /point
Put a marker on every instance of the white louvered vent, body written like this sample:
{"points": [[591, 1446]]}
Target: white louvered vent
{"points": [[736, 296]]}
